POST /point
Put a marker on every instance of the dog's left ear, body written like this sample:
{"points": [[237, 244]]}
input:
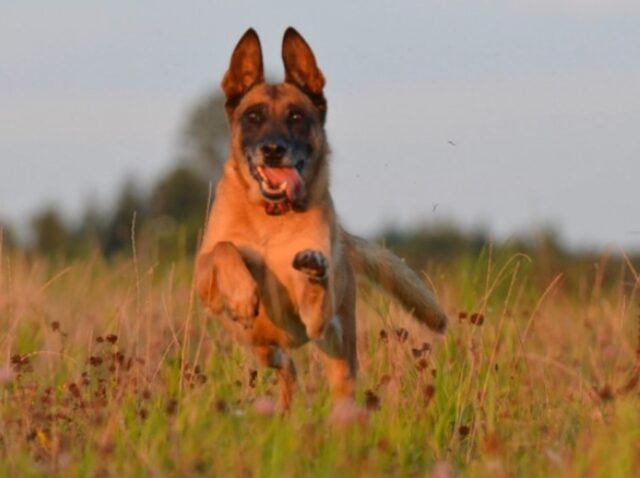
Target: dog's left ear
{"points": [[301, 69]]}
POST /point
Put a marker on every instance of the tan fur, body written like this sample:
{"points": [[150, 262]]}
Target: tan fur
{"points": [[245, 272]]}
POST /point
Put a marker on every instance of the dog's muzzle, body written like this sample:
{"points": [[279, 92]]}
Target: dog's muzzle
{"points": [[282, 187]]}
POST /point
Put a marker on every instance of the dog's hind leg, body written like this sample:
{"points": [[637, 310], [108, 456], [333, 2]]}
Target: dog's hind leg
{"points": [[340, 366], [338, 347], [225, 283], [276, 358], [339, 369], [339, 354]]}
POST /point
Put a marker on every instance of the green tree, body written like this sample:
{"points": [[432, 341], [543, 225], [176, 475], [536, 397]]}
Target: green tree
{"points": [[172, 214], [118, 231], [50, 233], [7, 239], [205, 137], [177, 205], [89, 234]]}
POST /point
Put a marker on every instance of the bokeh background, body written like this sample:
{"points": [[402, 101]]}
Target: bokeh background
{"points": [[452, 124]]}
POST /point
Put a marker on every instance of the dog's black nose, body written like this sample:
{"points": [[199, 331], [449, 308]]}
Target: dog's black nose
{"points": [[273, 153]]}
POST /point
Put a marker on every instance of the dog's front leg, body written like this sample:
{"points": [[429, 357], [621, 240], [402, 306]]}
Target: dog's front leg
{"points": [[225, 284], [313, 291]]}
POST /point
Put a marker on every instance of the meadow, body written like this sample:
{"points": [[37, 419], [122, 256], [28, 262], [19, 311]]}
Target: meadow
{"points": [[113, 368]]}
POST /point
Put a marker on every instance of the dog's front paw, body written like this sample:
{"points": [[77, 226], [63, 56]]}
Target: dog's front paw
{"points": [[312, 263], [242, 303]]}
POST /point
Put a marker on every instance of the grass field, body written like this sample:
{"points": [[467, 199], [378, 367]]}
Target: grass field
{"points": [[114, 369]]}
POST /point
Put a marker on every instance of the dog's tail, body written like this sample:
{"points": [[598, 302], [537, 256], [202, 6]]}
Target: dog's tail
{"points": [[393, 275]]}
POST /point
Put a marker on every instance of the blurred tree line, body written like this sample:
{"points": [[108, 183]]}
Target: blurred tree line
{"points": [[438, 248], [168, 218], [167, 221]]}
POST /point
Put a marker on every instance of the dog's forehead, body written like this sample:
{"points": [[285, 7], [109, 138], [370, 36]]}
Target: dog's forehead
{"points": [[278, 96]]}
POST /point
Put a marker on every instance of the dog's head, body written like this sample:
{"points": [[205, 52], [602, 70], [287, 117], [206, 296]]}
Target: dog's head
{"points": [[278, 141]]}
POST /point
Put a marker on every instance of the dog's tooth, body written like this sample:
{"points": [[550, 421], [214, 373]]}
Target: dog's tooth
{"points": [[267, 188]]}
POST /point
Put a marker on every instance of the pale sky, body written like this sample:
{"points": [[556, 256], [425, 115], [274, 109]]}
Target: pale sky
{"points": [[541, 98]]}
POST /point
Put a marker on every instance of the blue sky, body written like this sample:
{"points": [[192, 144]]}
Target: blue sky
{"points": [[542, 100]]}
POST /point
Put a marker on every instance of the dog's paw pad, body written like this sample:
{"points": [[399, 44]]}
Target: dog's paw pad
{"points": [[311, 263]]}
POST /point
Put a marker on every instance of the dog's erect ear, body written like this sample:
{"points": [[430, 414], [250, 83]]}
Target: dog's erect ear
{"points": [[245, 69], [300, 64], [300, 68]]}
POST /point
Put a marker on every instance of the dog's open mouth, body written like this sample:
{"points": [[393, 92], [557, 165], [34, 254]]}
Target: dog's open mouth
{"points": [[282, 188]]}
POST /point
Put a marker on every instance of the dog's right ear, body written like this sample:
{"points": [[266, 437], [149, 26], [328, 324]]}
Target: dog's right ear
{"points": [[245, 69]]}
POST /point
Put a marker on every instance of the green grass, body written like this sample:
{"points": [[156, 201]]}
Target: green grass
{"points": [[115, 369]]}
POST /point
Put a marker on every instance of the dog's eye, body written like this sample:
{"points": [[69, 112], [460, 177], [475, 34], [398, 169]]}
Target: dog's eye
{"points": [[296, 116], [255, 117]]}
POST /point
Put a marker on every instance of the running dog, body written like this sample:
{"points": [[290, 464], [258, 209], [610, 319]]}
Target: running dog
{"points": [[275, 265]]}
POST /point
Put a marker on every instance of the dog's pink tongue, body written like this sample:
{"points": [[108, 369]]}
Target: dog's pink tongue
{"points": [[290, 176]]}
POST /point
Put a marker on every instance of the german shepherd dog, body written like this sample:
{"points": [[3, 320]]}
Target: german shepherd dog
{"points": [[275, 265]]}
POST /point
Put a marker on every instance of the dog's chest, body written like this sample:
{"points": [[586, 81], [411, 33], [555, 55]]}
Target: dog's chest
{"points": [[268, 246], [269, 257]]}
